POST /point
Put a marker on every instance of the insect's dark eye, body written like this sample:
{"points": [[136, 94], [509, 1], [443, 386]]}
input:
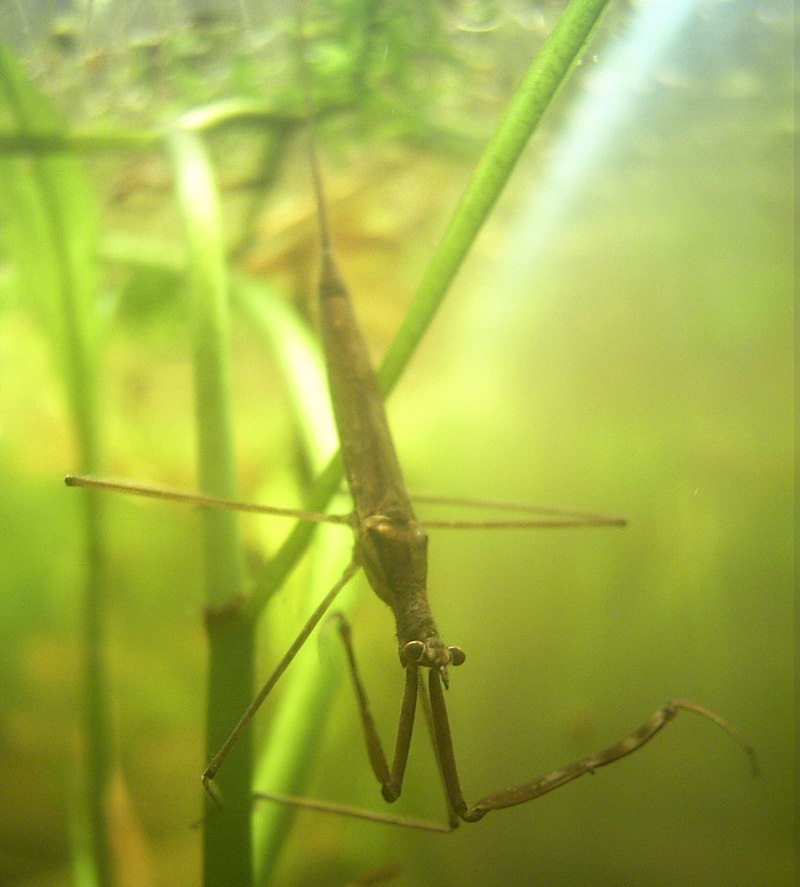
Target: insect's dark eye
{"points": [[457, 656], [413, 651]]}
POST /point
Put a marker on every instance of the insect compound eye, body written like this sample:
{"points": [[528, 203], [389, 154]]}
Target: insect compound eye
{"points": [[457, 656], [413, 651]]}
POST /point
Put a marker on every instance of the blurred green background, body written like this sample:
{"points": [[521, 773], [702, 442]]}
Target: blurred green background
{"points": [[619, 340]]}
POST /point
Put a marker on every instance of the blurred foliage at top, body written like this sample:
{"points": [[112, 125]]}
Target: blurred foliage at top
{"points": [[408, 64]]}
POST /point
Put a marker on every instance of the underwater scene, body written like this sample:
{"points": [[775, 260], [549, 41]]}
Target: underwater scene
{"points": [[567, 229]]}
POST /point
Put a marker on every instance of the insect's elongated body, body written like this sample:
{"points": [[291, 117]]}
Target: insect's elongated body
{"points": [[391, 544]]}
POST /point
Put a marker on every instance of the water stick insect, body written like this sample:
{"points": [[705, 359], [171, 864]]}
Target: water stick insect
{"points": [[391, 548]]}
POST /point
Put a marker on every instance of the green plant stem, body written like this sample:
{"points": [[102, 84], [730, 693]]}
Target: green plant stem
{"points": [[546, 74], [53, 240], [227, 840]]}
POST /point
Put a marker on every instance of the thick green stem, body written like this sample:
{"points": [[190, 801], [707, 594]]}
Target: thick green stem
{"points": [[227, 841]]}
